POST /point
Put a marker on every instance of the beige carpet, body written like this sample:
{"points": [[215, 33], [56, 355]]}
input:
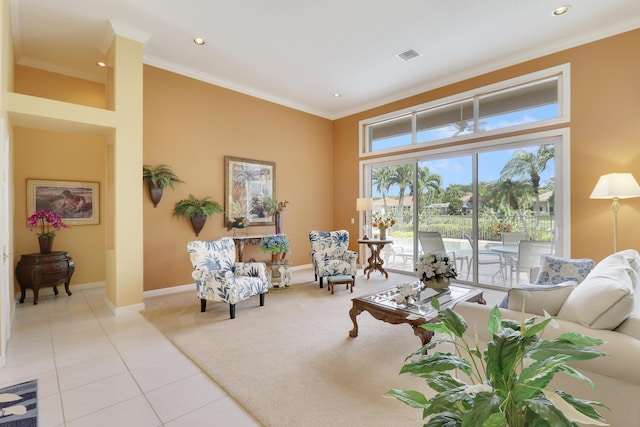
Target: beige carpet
{"points": [[291, 362]]}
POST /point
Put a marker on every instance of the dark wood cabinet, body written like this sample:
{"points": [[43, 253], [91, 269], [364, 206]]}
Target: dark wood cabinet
{"points": [[35, 271]]}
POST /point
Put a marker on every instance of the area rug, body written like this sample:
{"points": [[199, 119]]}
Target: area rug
{"points": [[18, 405], [292, 362]]}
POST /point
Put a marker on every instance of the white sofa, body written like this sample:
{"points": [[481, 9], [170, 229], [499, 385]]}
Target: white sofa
{"points": [[604, 305]]}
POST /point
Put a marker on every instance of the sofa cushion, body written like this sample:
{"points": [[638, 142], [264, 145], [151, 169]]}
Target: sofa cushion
{"points": [[536, 299], [556, 270], [604, 299], [631, 326]]}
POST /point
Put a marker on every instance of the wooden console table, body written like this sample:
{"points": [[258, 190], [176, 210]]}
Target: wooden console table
{"points": [[375, 261], [248, 239], [35, 271]]}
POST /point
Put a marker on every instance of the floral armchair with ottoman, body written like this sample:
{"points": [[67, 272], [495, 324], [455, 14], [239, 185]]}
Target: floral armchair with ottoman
{"points": [[604, 305], [331, 256], [219, 278]]}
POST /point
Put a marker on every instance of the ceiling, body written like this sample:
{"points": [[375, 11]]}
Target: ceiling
{"points": [[299, 53]]}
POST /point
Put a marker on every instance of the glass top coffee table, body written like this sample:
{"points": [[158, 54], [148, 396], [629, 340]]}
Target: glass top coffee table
{"points": [[382, 305]]}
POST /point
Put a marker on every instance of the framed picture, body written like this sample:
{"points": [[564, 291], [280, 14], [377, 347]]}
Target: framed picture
{"points": [[247, 184], [77, 202]]}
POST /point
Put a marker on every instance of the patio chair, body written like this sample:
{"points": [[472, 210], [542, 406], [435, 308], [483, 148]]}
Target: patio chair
{"points": [[431, 241], [511, 240], [530, 253], [219, 278], [487, 257]]}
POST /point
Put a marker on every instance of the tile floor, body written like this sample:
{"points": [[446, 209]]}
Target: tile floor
{"points": [[94, 369]]}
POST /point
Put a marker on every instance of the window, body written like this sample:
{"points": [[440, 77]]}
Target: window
{"points": [[531, 101], [390, 133]]}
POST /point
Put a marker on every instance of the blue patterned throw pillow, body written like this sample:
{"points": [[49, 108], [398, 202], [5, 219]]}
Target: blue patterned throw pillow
{"points": [[555, 270]]}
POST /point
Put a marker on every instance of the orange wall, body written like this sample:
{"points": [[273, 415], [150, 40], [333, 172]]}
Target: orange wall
{"points": [[191, 125], [40, 154], [605, 137], [31, 81], [66, 157]]}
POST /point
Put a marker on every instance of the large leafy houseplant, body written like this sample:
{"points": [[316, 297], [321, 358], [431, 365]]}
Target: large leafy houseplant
{"points": [[196, 210], [506, 384]]}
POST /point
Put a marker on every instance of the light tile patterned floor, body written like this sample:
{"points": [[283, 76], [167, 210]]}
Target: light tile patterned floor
{"points": [[94, 369]]}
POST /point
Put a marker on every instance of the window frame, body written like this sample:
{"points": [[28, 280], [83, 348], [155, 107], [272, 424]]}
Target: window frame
{"points": [[562, 72]]}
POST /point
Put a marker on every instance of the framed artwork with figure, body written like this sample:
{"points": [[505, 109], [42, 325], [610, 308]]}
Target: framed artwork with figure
{"points": [[247, 184], [78, 203]]}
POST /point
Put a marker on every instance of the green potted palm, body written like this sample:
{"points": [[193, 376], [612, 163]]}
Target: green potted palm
{"points": [[196, 210], [157, 178], [504, 385]]}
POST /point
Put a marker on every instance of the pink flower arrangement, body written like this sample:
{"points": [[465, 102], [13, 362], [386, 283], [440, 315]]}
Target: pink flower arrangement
{"points": [[46, 220]]}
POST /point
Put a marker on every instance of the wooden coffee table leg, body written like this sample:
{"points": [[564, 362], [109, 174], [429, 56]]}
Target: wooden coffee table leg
{"points": [[353, 313], [424, 335]]}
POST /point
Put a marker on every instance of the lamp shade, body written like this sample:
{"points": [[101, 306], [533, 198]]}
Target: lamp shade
{"points": [[364, 204], [616, 185]]}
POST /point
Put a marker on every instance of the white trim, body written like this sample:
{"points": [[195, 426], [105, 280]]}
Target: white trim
{"points": [[170, 290], [89, 285], [118, 311]]}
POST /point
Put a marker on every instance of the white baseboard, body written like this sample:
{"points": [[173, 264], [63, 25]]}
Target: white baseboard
{"points": [[116, 311], [90, 285], [171, 290]]}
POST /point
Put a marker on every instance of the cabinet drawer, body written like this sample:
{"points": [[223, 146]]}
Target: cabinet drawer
{"points": [[55, 267], [59, 276]]}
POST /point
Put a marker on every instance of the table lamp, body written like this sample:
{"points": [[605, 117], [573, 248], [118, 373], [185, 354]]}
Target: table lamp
{"points": [[616, 186], [364, 204]]}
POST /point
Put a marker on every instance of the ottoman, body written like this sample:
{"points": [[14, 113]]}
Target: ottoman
{"points": [[340, 280]]}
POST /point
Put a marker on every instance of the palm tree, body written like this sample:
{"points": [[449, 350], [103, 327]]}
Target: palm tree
{"points": [[509, 192], [381, 180], [529, 166], [429, 183], [402, 176]]}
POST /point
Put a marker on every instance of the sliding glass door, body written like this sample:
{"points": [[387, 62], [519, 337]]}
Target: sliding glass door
{"points": [[392, 194], [477, 205]]}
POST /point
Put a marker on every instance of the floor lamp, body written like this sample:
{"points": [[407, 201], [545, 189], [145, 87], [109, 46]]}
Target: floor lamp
{"points": [[616, 186], [364, 204]]}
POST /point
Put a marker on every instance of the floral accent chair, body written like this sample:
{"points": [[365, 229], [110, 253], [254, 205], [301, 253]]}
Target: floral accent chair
{"points": [[330, 254], [219, 278]]}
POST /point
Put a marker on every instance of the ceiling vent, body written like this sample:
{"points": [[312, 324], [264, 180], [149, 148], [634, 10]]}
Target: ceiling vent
{"points": [[408, 55]]}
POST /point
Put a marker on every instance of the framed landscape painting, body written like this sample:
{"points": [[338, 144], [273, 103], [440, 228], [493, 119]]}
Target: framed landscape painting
{"points": [[247, 184], [77, 202]]}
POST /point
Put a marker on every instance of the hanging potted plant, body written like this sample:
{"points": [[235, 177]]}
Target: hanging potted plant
{"points": [[157, 178], [196, 210]]}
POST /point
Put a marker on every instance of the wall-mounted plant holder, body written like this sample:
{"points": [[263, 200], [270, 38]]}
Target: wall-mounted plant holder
{"points": [[196, 210], [157, 178]]}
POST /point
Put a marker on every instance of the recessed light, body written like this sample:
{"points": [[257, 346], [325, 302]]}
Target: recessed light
{"points": [[198, 41], [336, 95], [561, 10], [101, 64]]}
